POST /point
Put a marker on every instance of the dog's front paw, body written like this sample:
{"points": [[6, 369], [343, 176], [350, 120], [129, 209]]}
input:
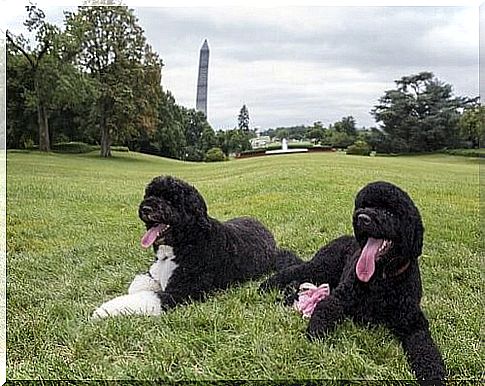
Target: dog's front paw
{"points": [[143, 282], [325, 317], [290, 293], [267, 285], [315, 330], [140, 303]]}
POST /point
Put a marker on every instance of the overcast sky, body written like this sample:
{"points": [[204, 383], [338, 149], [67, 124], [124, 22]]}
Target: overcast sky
{"points": [[297, 65]]}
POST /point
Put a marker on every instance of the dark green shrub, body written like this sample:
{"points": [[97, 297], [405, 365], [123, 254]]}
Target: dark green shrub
{"points": [[72, 147], [300, 145], [28, 143], [273, 146], [359, 148], [467, 152], [323, 147], [214, 155], [260, 150]]}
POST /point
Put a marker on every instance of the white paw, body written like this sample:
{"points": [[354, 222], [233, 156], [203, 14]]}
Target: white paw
{"points": [[143, 282], [140, 303]]}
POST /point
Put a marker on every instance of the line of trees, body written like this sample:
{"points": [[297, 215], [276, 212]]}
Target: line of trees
{"points": [[420, 115], [340, 134], [98, 81]]}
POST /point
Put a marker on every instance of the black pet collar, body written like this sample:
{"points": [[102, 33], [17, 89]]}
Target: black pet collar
{"points": [[399, 271]]}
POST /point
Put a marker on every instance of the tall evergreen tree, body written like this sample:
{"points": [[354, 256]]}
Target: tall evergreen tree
{"points": [[421, 113], [243, 118]]}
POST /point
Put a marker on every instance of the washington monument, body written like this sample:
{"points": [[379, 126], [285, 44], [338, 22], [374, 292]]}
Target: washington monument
{"points": [[201, 102]]}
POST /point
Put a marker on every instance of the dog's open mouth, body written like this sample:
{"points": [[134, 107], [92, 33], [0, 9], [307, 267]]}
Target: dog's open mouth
{"points": [[373, 250], [153, 234]]}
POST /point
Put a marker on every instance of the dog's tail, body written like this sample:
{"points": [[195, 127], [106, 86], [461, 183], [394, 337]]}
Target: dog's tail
{"points": [[286, 258]]}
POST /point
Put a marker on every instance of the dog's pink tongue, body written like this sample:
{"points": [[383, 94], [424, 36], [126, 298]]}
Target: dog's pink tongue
{"points": [[366, 265], [151, 235]]}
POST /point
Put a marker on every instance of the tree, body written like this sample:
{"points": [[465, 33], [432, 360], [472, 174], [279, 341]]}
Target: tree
{"points": [[208, 139], [316, 132], [41, 59], [112, 49], [421, 113], [197, 134], [195, 123], [472, 125], [339, 139], [22, 126], [359, 147], [233, 141], [282, 132], [170, 136], [346, 125], [243, 118], [168, 139]]}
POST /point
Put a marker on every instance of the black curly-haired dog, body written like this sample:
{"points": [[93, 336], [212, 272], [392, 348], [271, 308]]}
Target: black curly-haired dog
{"points": [[195, 254], [374, 277]]}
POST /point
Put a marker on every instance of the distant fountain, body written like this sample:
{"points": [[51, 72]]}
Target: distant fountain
{"points": [[284, 144], [284, 149]]}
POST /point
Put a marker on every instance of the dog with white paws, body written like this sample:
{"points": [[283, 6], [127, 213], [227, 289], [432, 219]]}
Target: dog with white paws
{"points": [[195, 253]]}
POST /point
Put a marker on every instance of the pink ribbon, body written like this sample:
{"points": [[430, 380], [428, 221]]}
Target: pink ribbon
{"points": [[309, 296]]}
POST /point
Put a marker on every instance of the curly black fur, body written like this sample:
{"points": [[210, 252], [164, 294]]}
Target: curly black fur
{"points": [[391, 296], [209, 254]]}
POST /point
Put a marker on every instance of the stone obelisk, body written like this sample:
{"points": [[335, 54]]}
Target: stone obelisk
{"points": [[201, 103]]}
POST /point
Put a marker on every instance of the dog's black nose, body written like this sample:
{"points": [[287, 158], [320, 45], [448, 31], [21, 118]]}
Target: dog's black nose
{"points": [[364, 219]]}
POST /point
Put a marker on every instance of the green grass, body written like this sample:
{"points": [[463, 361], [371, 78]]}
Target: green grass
{"points": [[73, 243]]}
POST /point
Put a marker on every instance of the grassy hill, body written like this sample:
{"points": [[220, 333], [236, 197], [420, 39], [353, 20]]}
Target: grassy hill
{"points": [[73, 242]]}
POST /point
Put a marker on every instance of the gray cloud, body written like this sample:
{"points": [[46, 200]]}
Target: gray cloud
{"points": [[353, 36], [296, 65], [301, 64]]}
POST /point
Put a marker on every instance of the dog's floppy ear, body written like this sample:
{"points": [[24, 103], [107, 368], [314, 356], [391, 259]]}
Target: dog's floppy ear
{"points": [[194, 205], [414, 239], [203, 221], [189, 201], [413, 229]]}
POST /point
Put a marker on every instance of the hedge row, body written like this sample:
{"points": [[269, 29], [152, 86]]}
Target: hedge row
{"points": [[72, 147], [81, 147], [467, 152], [359, 148]]}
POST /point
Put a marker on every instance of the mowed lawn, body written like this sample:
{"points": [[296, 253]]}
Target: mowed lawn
{"points": [[73, 240]]}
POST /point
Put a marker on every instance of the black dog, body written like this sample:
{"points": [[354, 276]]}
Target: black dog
{"points": [[195, 254], [374, 277]]}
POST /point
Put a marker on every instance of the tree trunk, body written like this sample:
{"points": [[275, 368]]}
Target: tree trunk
{"points": [[105, 129], [105, 140], [43, 122]]}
